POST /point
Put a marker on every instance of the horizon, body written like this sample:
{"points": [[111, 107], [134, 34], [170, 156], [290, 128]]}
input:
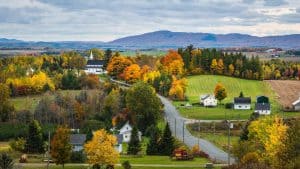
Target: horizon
{"points": [[101, 20]]}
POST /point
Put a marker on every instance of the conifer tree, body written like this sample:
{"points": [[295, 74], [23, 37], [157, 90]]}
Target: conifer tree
{"points": [[34, 141], [167, 142], [134, 145], [153, 146]]}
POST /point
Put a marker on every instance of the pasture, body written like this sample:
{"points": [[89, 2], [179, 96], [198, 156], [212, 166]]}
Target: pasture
{"points": [[205, 84]]}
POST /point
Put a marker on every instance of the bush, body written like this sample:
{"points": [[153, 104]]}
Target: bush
{"points": [[228, 105], [77, 157], [6, 162], [18, 145], [126, 165]]}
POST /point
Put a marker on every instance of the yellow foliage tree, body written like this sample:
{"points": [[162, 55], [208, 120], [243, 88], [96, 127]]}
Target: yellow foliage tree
{"points": [[178, 88], [132, 73], [100, 150], [213, 66], [231, 69], [150, 76]]}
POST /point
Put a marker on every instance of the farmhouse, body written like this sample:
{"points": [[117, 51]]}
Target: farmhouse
{"points": [[296, 105], [208, 100], [77, 141], [262, 105], [118, 146], [242, 103], [125, 131], [94, 66]]}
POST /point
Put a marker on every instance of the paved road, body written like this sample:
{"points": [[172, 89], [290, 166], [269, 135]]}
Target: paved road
{"points": [[181, 133]]}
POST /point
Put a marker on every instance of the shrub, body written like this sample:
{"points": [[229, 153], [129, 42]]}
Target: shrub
{"points": [[196, 150], [228, 105], [77, 157], [18, 145], [6, 162], [126, 165]]}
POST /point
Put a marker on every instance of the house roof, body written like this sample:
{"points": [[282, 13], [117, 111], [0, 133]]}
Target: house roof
{"points": [[206, 96], [297, 102], [242, 100], [77, 138], [95, 62], [262, 106], [262, 99]]}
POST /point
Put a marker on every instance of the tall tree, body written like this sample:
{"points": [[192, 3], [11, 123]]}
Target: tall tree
{"points": [[153, 147], [100, 150], [213, 66], [107, 56], [220, 92], [167, 142], [5, 105], [60, 146], [34, 140], [143, 104], [134, 145]]}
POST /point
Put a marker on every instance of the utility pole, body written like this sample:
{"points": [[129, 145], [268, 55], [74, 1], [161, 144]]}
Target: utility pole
{"points": [[183, 131], [230, 125], [175, 126], [199, 133], [48, 153]]}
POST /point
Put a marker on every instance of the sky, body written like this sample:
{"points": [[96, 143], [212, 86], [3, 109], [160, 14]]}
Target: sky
{"points": [[106, 20]]}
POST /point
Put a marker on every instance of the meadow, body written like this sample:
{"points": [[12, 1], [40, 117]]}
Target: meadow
{"points": [[205, 84]]}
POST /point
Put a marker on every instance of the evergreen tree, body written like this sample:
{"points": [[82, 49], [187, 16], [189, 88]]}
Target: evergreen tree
{"points": [[167, 142], [6, 162], [134, 145], [34, 140], [153, 146], [107, 56], [241, 94]]}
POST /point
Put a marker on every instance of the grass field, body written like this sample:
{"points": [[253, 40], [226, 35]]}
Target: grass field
{"points": [[205, 84], [30, 102], [148, 52]]}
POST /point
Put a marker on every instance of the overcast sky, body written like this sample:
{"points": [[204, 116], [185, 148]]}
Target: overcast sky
{"points": [[105, 20]]}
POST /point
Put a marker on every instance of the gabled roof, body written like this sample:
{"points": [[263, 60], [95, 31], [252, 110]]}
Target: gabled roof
{"points": [[296, 102], [206, 96], [242, 100], [262, 99], [77, 139], [262, 106], [95, 62]]}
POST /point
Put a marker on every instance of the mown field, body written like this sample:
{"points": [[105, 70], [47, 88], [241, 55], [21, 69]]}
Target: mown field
{"points": [[205, 84]]}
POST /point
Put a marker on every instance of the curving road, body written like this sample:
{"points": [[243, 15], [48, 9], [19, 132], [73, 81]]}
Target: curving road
{"points": [[181, 133]]}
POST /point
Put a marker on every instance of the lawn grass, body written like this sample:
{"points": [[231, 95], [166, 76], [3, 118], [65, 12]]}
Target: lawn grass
{"points": [[30, 102], [117, 167], [205, 84]]}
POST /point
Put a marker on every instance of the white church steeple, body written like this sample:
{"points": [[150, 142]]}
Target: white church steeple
{"points": [[91, 56]]}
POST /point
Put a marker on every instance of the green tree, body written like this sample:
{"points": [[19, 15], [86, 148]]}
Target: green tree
{"points": [[241, 94], [6, 162], [60, 146], [167, 142], [153, 147], [144, 105], [34, 140], [77, 62], [5, 105], [107, 56], [69, 80], [134, 145]]}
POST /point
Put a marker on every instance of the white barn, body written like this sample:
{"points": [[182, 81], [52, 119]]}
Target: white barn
{"points": [[263, 108], [126, 130], [242, 103], [208, 100], [296, 105]]}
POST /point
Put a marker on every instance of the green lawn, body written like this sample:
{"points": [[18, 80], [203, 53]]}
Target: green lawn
{"points": [[30, 102], [117, 167], [205, 84]]}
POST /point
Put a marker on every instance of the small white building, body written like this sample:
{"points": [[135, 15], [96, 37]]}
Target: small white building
{"points": [[119, 146], [126, 130], [263, 108], [77, 141], [94, 66], [242, 103], [296, 105], [208, 100]]}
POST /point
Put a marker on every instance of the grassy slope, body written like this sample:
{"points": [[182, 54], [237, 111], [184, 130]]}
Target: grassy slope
{"points": [[203, 84]]}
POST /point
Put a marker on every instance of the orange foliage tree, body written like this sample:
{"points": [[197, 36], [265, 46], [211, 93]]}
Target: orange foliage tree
{"points": [[132, 73], [117, 65], [172, 63], [178, 88]]}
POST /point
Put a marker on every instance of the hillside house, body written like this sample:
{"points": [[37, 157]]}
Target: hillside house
{"points": [[242, 103], [94, 66], [208, 100], [262, 105], [296, 104], [77, 141], [125, 131]]}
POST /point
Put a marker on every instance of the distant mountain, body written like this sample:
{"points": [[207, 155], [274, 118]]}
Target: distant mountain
{"points": [[179, 39], [166, 40]]}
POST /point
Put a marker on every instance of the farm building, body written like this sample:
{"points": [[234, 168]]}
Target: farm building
{"points": [[242, 103], [77, 141], [94, 66], [125, 131], [208, 100], [296, 105], [118, 146], [262, 105]]}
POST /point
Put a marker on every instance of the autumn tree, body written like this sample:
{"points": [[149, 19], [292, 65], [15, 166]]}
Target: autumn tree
{"points": [[100, 150], [231, 69], [34, 139], [220, 66], [213, 66], [77, 62], [60, 146], [117, 65], [172, 63], [134, 145], [143, 105], [178, 88], [220, 92], [132, 73]]}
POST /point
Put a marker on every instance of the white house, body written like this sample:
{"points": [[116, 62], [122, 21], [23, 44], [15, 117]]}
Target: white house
{"points": [[125, 131], [119, 146], [208, 100], [242, 103], [296, 105], [94, 66], [77, 141], [263, 108]]}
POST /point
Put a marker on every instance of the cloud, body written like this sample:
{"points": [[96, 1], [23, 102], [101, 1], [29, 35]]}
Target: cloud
{"points": [[105, 20]]}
